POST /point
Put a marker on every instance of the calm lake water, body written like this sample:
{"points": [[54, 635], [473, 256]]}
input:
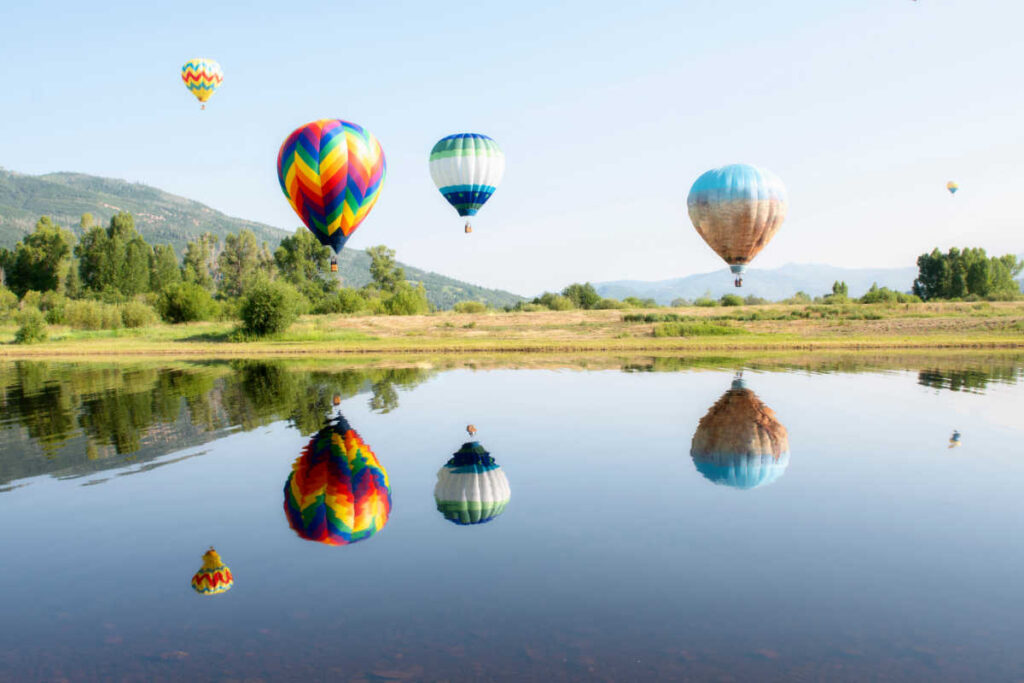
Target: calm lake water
{"points": [[660, 522]]}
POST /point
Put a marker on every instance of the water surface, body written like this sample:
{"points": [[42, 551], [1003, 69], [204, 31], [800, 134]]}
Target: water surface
{"points": [[850, 542]]}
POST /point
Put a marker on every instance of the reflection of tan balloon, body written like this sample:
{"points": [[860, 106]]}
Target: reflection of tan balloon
{"points": [[740, 442]]}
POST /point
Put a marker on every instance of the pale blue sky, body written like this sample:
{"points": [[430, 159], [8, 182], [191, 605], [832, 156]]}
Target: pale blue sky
{"points": [[607, 113]]}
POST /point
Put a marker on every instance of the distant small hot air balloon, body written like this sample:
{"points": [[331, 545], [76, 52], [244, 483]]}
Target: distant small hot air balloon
{"points": [[337, 493], [471, 430], [202, 77], [952, 187], [467, 168], [737, 209], [471, 488], [213, 577], [332, 172], [739, 442]]}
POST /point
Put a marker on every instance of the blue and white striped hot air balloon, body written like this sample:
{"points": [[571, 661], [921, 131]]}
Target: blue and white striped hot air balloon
{"points": [[737, 209], [467, 167]]}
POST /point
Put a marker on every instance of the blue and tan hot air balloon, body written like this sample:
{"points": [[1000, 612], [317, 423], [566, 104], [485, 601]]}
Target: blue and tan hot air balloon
{"points": [[202, 77], [213, 577], [471, 488], [740, 442], [737, 209], [338, 493], [952, 187], [467, 168]]}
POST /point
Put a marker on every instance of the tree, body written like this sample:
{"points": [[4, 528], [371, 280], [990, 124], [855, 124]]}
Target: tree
{"points": [[200, 263], [386, 275], [163, 268], [241, 261], [269, 307], [86, 222], [582, 296], [968, 272], [840, 290], [41, 260], [116, 259], [301, 258]]}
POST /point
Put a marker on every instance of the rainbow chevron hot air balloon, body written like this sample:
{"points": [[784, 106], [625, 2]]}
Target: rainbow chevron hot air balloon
{"points": [[213, 577], [331, 171], [471, 488], [337, 492], [467, 167], [737, 209], [952, 187], [202, 77]]}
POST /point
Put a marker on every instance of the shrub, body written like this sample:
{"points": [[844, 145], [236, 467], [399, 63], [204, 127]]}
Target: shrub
{"points": [[698, 329], [705, 302], [470, 307], [269, 307], [731, 300], [185, 302], [8, 301], [92, 315], [755, 300], [680, 302], [634, 302], [31, 299], [608, 304], [533, 308], [798, 298], [343, 301], [137, 314], [556, 302], [52, 304], [407, 300], [32, 327]]}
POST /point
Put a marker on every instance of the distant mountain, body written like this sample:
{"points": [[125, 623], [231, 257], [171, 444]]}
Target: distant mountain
{"points": [[772, 284], [163, 218]]}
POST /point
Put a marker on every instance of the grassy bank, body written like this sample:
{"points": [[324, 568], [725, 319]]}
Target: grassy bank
{"points": [[681, 330]]}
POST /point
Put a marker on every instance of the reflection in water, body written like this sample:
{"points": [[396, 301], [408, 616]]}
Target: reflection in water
{"points": [[213, 577], [337, 493], [739, 442], [954, 440], [74, 420], [471, 488]]}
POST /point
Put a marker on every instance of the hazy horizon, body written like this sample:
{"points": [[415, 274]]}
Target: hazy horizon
{"points": [[607, 114]]}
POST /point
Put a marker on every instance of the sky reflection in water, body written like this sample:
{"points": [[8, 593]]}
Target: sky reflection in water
{"points": [[618, 555]]}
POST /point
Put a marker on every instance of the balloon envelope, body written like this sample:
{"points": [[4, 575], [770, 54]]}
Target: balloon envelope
{"points": [[467, 168], [202, 77], [331, 171], [737, 209], [740, 442], [213, 577], [471, 488], [337, 493]]}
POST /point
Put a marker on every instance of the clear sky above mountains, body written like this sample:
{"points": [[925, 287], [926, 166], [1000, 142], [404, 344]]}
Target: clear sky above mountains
{"points": [[607, 113]]}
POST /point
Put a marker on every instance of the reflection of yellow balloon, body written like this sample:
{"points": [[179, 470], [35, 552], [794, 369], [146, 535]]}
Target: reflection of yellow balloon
{"points": [[213, 577], [740, 442]]}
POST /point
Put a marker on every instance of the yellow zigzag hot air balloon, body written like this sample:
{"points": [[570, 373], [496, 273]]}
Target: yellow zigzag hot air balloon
{"points": [[213, 577], [202, 77]]}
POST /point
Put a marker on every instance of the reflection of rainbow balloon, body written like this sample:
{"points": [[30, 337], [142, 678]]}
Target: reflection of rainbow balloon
{"points": [[213, 577], [202, 77], [337, 492], [331, 171], [740, 443], [471, 488]]}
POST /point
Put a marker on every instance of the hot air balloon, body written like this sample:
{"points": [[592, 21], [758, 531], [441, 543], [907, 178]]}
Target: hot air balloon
{"points": [[337, 493], [952, 187], [737, 209], [467, 167], [471, 430], [739, 442], [213, 577], [331, 171], [471, 488], [202, 77]]}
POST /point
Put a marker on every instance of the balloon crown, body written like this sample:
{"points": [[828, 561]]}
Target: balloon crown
{"points": [[471, 453]]}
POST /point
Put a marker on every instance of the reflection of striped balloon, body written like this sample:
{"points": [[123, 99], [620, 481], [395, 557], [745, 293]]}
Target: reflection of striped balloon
{"points": [[467, 167], [202, 77], [471, 488], [737, 209], [337, 492], [214, 576], [331, 171]]}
